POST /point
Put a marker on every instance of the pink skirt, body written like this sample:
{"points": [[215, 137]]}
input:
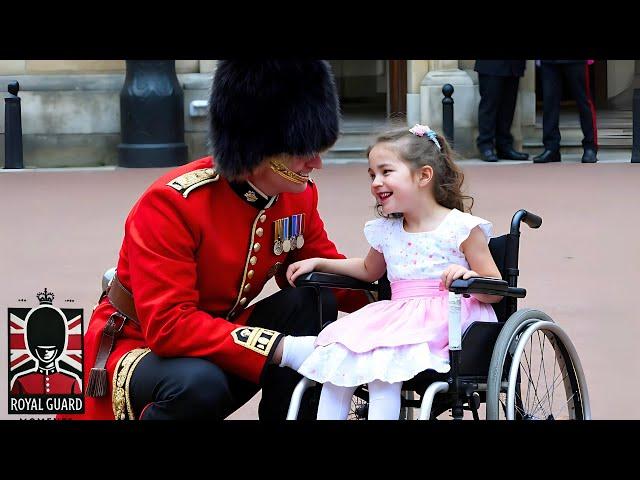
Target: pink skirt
{"points": [[391, 340]]}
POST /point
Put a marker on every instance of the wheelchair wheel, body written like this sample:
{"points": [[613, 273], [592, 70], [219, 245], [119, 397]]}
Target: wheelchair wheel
{"points": [[359, 409], [535, 372]]}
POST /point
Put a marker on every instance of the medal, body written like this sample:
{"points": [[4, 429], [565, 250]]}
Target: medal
{"points": [[277, 234], [286, 243], [294, 231], [300, 238], [277, 247]]}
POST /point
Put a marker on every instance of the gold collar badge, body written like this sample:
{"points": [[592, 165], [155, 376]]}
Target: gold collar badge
{"points": [[251, 196]]}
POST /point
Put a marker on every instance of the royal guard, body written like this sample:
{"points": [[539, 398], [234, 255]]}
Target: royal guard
{"points": [[174, 336], [46, 338]]}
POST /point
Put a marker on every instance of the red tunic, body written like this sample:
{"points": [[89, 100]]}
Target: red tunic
{"points": [[45, 382], [194, 259]]}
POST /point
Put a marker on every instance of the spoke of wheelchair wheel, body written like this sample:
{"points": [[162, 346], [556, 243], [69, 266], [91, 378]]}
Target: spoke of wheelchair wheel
{"points": [[550, 392], [537, 401], [554, 384], [554, 376], [530, 366], [541, 368], [541, 340], [527, 365], [534, 390], [560, 380], [551, 411]]}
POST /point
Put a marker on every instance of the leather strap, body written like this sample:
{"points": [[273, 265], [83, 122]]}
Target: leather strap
{"points": [[122, 299], [110, 332]]}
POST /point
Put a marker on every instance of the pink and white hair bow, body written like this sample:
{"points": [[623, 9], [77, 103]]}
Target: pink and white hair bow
{"points": [[422, 130]]}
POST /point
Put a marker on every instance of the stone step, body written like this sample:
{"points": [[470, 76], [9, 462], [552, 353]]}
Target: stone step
{"points": [[572, 138], [353, 141]]}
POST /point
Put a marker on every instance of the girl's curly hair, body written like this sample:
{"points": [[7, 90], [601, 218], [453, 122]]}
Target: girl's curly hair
{"points": [[419, 151]]}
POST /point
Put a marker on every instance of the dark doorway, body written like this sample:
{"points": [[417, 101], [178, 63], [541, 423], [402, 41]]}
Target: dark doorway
{"points": [[397, 89], [362, 86]]}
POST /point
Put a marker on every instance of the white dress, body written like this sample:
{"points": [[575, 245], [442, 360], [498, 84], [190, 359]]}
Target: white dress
{"points": [[393, 340]]}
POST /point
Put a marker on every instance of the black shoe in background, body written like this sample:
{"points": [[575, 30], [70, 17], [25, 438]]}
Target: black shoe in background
{"points": [[488, 156], [589, 156], [511, 154], [547, 156]]}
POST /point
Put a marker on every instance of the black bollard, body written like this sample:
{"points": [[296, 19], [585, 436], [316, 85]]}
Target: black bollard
{"points": [[447, 112], [13, 128], [151, 116], [635, 149]]}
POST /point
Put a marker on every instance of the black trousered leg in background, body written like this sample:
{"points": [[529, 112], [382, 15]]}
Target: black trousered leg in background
{"points": [[552, 76], [498, 97]]}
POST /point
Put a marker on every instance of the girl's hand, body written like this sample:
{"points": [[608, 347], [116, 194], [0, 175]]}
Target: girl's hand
{"points": [[300, 268], [453, 272]]}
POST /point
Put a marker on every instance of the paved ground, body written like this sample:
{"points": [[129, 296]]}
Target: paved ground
{"points": [[62, 229]]}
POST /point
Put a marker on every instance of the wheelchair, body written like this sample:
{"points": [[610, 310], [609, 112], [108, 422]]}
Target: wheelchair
{"points": [[524, 367]]}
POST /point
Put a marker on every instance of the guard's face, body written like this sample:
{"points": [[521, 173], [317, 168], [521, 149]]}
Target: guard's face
{"points": [[46, 353], [285, 173], [392, 183]]}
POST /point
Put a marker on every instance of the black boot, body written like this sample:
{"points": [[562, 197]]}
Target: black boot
{"points": [[589, 156], [547, 156], [488, 155], [511, 154]]}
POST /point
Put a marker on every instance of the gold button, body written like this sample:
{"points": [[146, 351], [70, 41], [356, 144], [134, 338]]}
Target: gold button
{"points": [[259, 232], [243, 300], [253, 260], [263, 218], [256, 247], [250, 274], [247, 287]]}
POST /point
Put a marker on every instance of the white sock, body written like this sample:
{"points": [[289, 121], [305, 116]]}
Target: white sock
{"points": [[295, 350]]}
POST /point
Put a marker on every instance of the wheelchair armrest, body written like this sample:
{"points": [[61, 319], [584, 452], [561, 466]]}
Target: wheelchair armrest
{"points": [[489, 286], [319, 279]]}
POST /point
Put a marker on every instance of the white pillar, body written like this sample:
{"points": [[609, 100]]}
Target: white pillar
{"points": [[416, 70], [465, 97]]}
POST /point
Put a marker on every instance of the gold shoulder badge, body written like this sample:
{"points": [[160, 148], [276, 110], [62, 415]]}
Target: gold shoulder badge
{"points": [[257, 339], [191, 180]]}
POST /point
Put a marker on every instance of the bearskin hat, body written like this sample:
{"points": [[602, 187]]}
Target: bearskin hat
{"points": [[267, 107], [46, 326]]}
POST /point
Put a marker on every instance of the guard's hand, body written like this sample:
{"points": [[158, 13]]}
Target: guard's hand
{"points": [[300, 268], [453, 272]]}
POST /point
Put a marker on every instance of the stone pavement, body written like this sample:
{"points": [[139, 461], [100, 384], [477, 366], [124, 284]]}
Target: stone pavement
{"points": [[62, 228]]}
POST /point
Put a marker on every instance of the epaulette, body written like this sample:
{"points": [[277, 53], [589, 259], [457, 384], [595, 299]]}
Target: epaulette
{"points": [[189, 181]]}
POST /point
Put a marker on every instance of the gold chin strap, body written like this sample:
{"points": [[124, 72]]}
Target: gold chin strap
{"points": [[282, 170]]}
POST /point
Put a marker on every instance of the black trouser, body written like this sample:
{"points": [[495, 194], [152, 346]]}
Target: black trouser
{"points": [[195, 388], [498, 97], [552, 76]]}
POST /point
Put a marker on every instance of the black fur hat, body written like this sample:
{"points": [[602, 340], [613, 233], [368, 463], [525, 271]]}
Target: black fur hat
{"points": [[267, 107]]}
